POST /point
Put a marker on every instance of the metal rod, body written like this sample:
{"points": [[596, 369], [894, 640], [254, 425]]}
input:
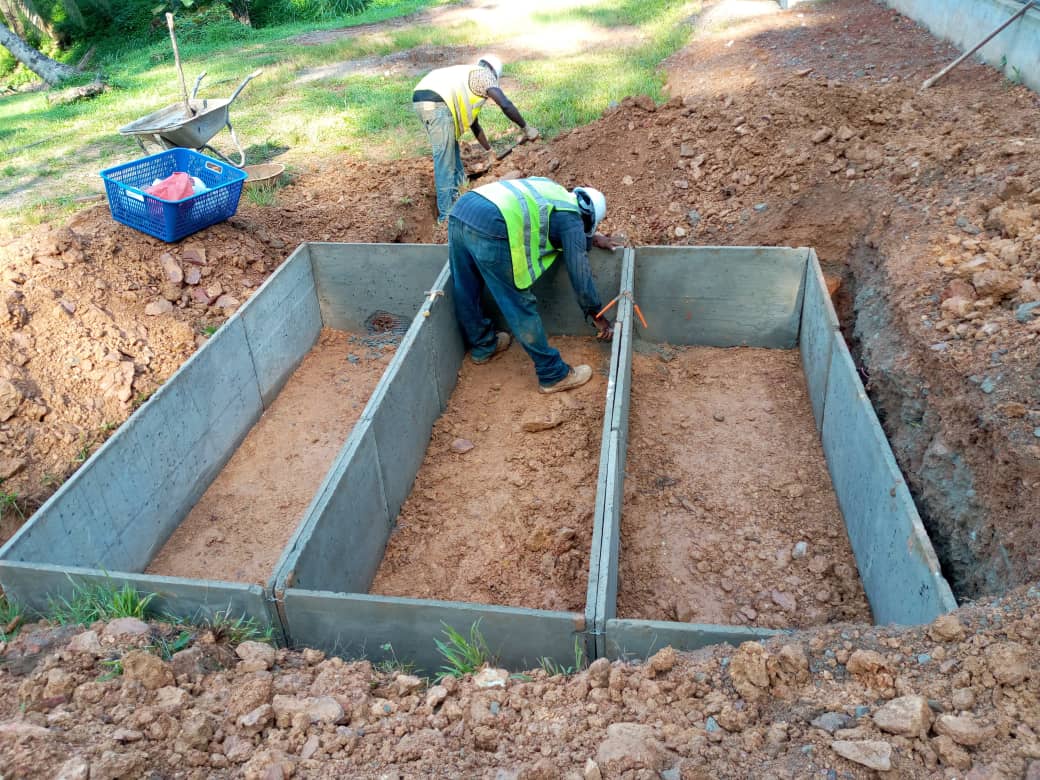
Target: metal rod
{"points": [[983, 42], [177, 56]]}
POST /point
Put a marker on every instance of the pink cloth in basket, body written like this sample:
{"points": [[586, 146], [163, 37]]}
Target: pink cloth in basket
{"points": [[176, 186]]}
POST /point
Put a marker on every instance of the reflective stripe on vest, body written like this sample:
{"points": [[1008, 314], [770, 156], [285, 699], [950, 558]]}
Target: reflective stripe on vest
{"points": [[452, 84], [526, 206]]}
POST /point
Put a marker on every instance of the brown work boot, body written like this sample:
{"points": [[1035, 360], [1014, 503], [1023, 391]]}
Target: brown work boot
{"points": [[578, 376], [502, 342]]}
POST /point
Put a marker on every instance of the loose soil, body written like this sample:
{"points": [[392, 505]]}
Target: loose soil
{"points": [[725, 477], [509, 521], [238, 529]]}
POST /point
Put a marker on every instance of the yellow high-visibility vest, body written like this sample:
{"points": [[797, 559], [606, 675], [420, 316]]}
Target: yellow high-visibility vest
{"points": [[526, 205], [452, 84]]}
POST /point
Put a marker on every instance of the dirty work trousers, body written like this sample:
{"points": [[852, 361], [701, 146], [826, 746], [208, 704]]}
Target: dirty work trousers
{"points": [[478, 260], [448, 173]]}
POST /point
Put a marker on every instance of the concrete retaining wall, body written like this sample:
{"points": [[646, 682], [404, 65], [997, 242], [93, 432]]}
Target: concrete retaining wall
{"points": [[966, 22]]}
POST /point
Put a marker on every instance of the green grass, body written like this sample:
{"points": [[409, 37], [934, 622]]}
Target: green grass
{"points": [[463, 655], [554, 669], [9, 615], [367, 113], [226, 627], [9, 502], [90, 602]]}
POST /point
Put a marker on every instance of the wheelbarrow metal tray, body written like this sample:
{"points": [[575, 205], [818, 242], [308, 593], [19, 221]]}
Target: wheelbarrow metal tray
{"points": [[172, 125], [172, 220]]}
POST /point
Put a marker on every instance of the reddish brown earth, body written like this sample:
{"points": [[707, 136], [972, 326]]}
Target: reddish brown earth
{"points": [[927, 205], [509, 520], [238, 529], [729, 514]]}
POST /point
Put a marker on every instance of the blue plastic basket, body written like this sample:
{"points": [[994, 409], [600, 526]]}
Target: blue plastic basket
{"points": [[172, 220]]}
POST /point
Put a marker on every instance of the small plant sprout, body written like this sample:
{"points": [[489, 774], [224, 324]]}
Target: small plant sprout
{"points": [[463, 655]]}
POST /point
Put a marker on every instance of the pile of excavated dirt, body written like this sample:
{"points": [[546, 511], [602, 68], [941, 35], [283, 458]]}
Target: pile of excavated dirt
{"points": [[502, 507], [729, 514], [954, 699]]}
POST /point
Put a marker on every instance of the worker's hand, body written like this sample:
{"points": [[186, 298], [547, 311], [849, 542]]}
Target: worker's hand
{"points": [[531, 133], [601, 241], [604, 330]]}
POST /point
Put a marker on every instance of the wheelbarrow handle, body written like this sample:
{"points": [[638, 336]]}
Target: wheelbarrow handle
{"points": [[198, 81], [242, 86]]}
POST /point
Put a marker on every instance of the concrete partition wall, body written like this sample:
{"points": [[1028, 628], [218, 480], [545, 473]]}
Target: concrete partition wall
{"points": [[1015, 51], [895, 558]]}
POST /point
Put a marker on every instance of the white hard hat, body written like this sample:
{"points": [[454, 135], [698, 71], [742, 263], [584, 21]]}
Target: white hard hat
{"points": [[492, 62], [593, 203]]}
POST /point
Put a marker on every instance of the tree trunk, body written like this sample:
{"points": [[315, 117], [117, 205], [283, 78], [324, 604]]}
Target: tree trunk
{"points": [[51, 71], [240, 11]]}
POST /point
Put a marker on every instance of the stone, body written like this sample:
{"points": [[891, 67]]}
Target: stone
{"points": [[801, 549], [11, 466], [436, 696], [171, 699], [994, 284], [832, 721], [681, 184], [845, 133], [1033, 771], [628, 181], [821, 135], [1008, 663], [536, 422], [591, 771], [680, 232], [687, 150], [10, 398], [599, 673], [1023, 312], [237, 750], [957, 306], [407, 684], [873, 754], [17, 728], [227, 302], [87, 643], [748, 671], [1009, 221], [256, 656], [950, 754], [193, 276], [112, 765], [150, 670], [693, 217], [254, 721], [491, 678], [171, 268], [310, 747], [631, 746], [194, 254], [946, 628], [785, 601], [127, 735], [963, 729], [908, 716], [663, 660], [76, 768], [158, 308], [126, 627], [461, 446]]}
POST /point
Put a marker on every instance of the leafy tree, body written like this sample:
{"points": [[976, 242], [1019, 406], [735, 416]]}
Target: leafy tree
{"points": [[18, 17]]}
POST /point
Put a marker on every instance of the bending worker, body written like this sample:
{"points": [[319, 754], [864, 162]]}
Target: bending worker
{"points": [[504, 236], [448, 101]]}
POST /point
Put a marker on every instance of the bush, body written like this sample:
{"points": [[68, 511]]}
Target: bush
{"points": [[271, 12]]}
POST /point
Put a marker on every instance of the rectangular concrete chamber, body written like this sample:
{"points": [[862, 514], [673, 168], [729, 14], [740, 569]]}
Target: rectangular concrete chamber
{"points": [[108, 521], [775, 299], [325, 576]]}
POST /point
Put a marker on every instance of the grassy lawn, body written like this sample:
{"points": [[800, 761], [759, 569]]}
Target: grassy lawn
{"points": [[50, 155]]}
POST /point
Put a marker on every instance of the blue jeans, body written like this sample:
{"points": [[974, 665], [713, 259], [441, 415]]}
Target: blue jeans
{"points": [[448, 173], [478, 260]]}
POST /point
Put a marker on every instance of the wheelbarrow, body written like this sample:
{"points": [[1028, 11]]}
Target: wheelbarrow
{"points": [[170, 127]]}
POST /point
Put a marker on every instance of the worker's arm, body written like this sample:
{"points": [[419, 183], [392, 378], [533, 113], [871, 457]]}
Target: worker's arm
{"points": [[499, 97], [478, 131], [601, 241], [567, 232]]}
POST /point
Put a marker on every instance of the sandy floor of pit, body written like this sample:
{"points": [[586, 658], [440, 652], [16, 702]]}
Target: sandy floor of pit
{"points": [[238, 528], [725, 476], [510, 521]]}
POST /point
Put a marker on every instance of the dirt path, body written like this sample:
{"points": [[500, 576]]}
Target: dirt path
{"points": [[238, 528], [729, 514], [509, 521]]}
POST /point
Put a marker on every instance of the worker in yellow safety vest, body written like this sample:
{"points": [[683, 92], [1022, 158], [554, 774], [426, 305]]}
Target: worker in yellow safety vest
{"points": [[505, 235], [448, 101]]}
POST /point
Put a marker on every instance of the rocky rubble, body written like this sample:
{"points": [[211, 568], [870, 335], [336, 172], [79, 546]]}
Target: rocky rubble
{"points": [[956, 698]]}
